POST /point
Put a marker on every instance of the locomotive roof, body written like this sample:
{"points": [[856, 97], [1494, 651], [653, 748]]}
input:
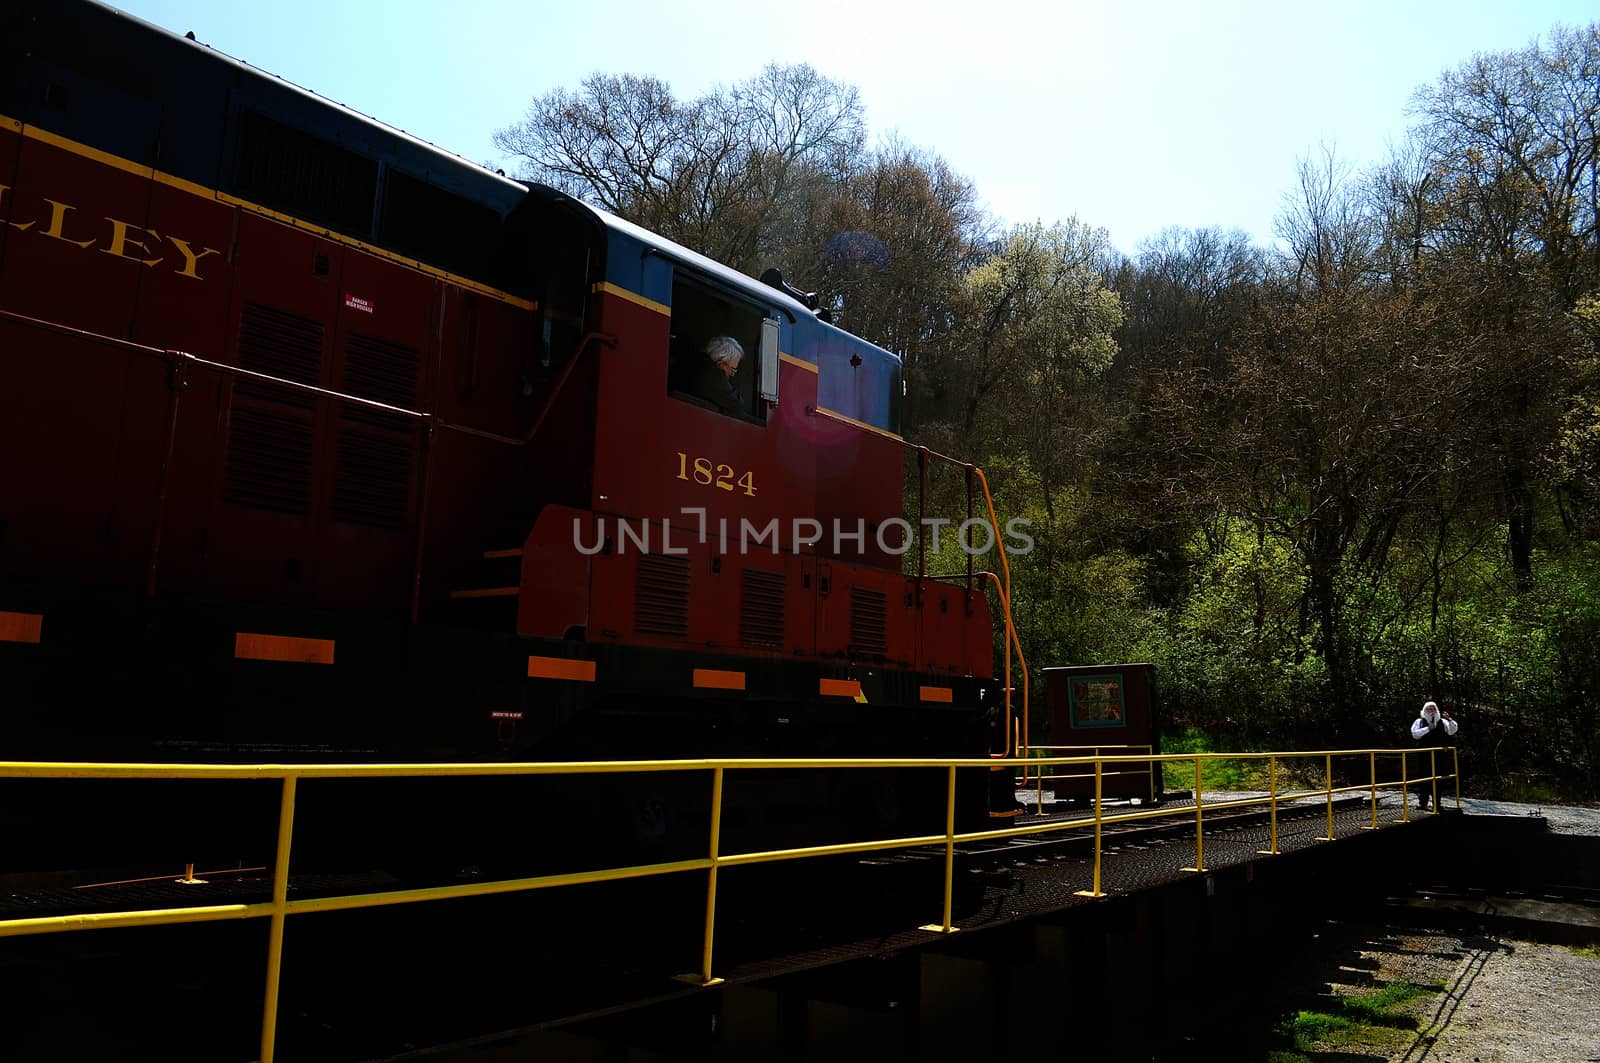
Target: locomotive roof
{"points": [[725, 274], [728, 276], [155, 68], [489, 188]]}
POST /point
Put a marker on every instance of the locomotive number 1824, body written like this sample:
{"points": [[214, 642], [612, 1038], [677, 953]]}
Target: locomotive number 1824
{"points": [[711, 474]]}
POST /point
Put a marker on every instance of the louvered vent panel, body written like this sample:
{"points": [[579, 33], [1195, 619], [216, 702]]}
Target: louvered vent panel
{"points": [[381, 371], [269, 460], [869, 617], [372, 474], [312, 178], [661, 598], [270, 429], [283, 345], [421, 220], [761, 609]]}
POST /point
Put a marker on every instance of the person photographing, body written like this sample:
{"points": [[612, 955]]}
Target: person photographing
{"points": [[1427, 726]]}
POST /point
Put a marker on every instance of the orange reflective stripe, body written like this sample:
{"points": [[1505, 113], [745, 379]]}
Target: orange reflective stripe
{"points": [[944, 694], [839, 688], [21, 627], [711, 679], [282, 648], [560, 668]]}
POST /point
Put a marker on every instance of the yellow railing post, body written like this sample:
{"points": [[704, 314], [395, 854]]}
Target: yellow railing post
{"points": [[711, 877], [1272, 783], [1038, 807], [1199, 836], [1433, 770], [1372, 770], [280, 900], [1456, 757], [1329, 836], [1405, 802], [703, 978], [949, 857], [1096, 891]]}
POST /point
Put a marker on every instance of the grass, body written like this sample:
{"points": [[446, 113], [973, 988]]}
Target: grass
{"points": [[1225, 774], [1376, 1020], [1529, 793], [1589, 952]]}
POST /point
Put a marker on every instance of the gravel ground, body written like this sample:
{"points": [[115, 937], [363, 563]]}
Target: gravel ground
{"points": [[1515, 1002], [1504, 1001], [1563, 819]]}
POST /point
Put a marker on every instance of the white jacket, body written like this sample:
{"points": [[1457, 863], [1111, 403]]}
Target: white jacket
{"points": [[1420, 729]]}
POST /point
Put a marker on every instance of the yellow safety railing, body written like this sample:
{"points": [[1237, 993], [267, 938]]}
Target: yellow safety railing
{"points": [[1034, 770], [279, 908]]}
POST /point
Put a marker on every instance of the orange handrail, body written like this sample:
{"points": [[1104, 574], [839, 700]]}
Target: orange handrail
{"points": [[1015, 739], [1012, 641], [1005, 601]]}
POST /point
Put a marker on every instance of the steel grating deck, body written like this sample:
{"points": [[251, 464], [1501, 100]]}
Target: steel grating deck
{"points": [[1023, 882]]}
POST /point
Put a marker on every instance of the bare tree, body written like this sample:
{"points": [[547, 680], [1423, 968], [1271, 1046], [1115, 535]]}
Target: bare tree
{"points": [[1511, 226], [1515, 135], [886, 253], [731, 174]]}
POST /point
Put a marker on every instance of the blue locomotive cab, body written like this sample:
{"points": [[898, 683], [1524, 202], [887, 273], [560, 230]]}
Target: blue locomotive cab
{"points": [[858, 379]]}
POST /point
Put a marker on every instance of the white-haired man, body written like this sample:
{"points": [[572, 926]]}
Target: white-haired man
{"points": [[1428, 725], [713, 380]]}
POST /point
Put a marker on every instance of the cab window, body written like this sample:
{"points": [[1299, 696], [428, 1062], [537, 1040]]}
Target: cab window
{"points": [[708, 328]]}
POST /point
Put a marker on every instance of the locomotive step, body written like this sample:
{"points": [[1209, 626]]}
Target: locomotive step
{"points": [[491, 603]]}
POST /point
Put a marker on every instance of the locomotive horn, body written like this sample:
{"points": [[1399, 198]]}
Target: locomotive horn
{"points": [[773, 278]]}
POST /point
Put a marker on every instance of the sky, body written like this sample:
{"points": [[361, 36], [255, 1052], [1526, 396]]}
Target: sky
{"points": [[1129, 116]]}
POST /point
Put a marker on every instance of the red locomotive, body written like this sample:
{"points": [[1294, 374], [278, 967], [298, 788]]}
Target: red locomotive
{"points": [[316, 441]]}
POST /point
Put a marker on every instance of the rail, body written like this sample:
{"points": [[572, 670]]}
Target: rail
{"points": [[179, 362], [279, 908], [1039, 777]]}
